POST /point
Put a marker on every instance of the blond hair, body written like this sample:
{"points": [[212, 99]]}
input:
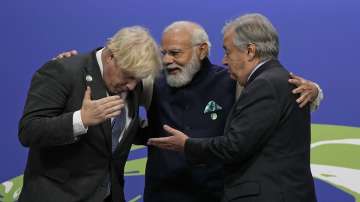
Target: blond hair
{"points": [[135, 52]]}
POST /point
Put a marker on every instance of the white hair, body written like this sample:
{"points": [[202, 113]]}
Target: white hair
{"points": [[198, 33], [255, 29]]}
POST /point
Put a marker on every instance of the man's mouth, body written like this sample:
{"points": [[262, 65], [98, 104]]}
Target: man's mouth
{"points": [[172, 70]]}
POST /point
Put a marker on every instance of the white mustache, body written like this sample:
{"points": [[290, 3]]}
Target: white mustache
{"points": [[171, 66]]}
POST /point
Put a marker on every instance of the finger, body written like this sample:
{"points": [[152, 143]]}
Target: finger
{"points": [[171, 130], [298, 90], [295, 82], [159, 140], [304, 103], [113, 109], [73, 52], [87, 95], [112, 114], [303, 97], [58, 57], [106, 105], [107, 99], [313, 90], [294, 76]]}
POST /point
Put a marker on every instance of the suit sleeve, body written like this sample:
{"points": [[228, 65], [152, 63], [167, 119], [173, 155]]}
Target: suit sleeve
{"points": [[251, 123], [44, 122]]}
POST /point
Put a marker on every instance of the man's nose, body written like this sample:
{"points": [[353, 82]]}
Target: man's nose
{"points": [[167, 59], [131, 85], [224, 61]]}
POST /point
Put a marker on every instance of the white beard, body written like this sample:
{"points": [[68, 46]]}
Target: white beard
{"points": [[186, 73]]}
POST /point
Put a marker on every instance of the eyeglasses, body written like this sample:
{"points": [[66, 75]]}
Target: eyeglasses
{"points": [[176, 53]]}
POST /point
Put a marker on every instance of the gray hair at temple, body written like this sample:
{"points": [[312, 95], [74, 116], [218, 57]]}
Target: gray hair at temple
{"points": [[255, 29], [198, 33]]}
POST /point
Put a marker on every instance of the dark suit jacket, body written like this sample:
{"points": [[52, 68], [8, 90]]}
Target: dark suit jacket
{"points": [[166, 171], [60, 167], [266, 143]]}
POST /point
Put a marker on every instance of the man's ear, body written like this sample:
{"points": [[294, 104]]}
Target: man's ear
{"points": [[203, 50], [108, 56], [251, 51]]}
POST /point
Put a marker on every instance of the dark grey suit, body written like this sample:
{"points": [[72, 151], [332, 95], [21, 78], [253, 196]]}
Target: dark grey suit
{"points": [[266, 143], [60, 167]]}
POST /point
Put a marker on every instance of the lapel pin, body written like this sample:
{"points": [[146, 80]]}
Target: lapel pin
{"points": [[211, 108], [213, 116], [88, 78]]}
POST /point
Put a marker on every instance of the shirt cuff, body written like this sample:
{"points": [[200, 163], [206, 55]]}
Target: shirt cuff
{"points": [[78, 126], [316, 103]]}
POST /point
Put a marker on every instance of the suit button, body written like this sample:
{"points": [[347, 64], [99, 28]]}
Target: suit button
{"points": [[187, 127], [187, 107]]}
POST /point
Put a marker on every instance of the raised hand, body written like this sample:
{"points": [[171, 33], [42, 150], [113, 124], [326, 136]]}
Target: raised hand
{"points": [[176, 140], [96, 111], [307, 89]]}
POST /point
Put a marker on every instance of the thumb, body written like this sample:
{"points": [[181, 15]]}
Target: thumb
{"points": [[171, 131], [87, 95]]}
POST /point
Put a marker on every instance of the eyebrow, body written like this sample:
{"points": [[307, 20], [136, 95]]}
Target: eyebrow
{"points": [[173, 49]]}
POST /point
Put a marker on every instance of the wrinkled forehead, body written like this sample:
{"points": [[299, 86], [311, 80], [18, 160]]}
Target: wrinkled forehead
{"points": [[176, 38], [228, 38]]}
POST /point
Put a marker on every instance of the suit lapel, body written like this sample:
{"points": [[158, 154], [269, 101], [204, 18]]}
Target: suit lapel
{"points": [[262, 68], [268, 65], [98, 91]]}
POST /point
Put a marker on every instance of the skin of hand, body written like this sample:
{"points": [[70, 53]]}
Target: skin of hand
{"points": [[94, 112], [307, 89], [176, 140], [66, 54]]}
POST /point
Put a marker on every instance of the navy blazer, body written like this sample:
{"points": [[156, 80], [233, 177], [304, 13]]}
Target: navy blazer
{"points": [[266, 142], [169, 177]]}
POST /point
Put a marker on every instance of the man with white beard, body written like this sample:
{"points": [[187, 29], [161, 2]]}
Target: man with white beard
{"points": [[195, 97], [177, 76]]}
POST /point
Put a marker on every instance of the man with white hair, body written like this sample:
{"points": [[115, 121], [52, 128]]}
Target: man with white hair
{"points": [[187, 86], [195, 97], [80, 119], [265, 146]]}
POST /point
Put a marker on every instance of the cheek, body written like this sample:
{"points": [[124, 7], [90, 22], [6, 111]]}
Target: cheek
{"points": [[233, 66], [181, 62], [184, 60]]}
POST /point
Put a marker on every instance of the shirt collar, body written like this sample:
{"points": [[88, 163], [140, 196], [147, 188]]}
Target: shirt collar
{"points": [[99, 61], [257, 67]]}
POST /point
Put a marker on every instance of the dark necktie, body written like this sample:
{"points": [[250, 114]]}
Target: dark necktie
{"points": [[118, 125]]}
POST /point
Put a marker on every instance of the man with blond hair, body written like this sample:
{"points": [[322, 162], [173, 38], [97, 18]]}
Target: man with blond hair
{"points": [[80, 119], [193, 95]]}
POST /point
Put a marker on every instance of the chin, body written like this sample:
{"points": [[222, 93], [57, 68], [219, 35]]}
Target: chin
{"points": [[232, 77]]}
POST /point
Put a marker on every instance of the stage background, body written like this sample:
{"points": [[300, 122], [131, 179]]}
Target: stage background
{"points": [[319, 40]]}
